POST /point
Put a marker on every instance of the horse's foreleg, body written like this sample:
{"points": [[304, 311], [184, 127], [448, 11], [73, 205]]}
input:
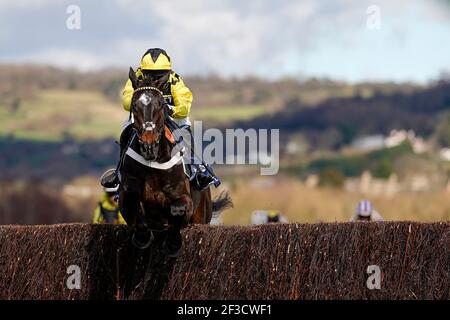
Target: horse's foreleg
{"points": [[129, 201], [181, 210], [131, 207], [180, 214]]}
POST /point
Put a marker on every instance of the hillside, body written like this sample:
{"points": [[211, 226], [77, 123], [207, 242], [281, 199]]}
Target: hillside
{"points": [[289, 261], [47, 103], [337, 121], [52, 115]]}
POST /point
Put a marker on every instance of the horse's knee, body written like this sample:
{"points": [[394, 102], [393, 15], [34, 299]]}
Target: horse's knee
{"points": [[129, 204], [130, 199]]}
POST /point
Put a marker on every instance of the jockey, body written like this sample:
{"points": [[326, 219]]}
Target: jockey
{"points": [[365, 212], [107, 210], [155, 63], [273, 216]]}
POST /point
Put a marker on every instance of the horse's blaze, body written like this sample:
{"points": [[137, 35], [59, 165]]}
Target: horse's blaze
{"points": [[149, 137]]}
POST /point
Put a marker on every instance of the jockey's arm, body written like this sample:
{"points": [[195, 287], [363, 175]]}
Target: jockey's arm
{"points": [[182, 97], [127, 94]]}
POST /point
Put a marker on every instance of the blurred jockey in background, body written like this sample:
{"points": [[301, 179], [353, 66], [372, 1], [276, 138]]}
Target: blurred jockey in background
{"points": [[156, 64], [271, 216], [365, 212], [107, 210]]}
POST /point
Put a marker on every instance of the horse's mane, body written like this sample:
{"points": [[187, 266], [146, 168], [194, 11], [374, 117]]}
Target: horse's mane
{"points": [[154, 80]]}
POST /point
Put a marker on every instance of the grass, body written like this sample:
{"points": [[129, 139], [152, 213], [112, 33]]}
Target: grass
{"points": [[296, 201], [56, 113], [53, 114], [308, 205], [227, 113]]}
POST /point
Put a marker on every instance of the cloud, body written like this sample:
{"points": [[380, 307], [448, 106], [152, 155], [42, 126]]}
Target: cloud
{"points": [[9, 4], [229, 37], [66, 58]]}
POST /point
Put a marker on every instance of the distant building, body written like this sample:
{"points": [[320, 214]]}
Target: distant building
{"points": [[414, 182], [419, 145], [369, 142], [312, 181], [366, 184], [444, 153], [397, 137], [296, 145]]}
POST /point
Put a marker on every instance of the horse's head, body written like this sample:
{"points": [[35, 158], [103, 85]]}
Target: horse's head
{"points": [[147, 106]]}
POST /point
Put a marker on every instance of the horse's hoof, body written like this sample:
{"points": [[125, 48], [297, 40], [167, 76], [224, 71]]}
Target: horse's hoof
{"points": [[172, 246], [142, 239]]}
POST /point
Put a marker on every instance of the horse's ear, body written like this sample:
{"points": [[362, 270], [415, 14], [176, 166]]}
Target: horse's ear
{"points": [[133, 78], [163, 82]]}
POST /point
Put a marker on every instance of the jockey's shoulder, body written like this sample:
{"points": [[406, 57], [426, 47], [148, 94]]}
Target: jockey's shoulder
{"points": [[174, 77]]}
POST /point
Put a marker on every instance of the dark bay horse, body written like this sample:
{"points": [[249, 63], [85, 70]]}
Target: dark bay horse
{"points": [[155, 193]]}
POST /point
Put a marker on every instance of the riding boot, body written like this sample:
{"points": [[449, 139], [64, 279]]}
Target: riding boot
{"points": [[200, 173], [110, 179], [204, 176]]}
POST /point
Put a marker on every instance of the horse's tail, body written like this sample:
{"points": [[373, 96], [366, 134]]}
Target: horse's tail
{"points": [[221, 203]]}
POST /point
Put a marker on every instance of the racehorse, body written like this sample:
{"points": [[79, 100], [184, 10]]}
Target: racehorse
{"points": [[155, 193]]}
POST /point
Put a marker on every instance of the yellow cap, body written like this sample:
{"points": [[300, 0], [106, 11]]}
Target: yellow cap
{"points": [[156, 59], [273, 213]]}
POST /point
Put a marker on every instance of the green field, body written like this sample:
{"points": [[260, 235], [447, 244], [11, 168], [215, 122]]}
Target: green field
{"points": [[52, 114], [55, 114], [227, 113]]}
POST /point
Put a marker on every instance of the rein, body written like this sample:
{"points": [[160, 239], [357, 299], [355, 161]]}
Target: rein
{"points": [[174, 160]]}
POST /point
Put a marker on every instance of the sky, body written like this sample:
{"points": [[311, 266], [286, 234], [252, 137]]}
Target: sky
{"points": [[349, 40]]}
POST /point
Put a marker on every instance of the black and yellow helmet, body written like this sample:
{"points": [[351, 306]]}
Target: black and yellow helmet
{"points": [[155, 59], [273, 213]]}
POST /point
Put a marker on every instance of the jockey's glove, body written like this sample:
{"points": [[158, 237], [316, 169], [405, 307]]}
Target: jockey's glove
{"points": [[170, 109]]}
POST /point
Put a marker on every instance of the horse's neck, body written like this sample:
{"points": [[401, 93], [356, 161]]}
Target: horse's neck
{"points": [[165, 149], [164, 152]]}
